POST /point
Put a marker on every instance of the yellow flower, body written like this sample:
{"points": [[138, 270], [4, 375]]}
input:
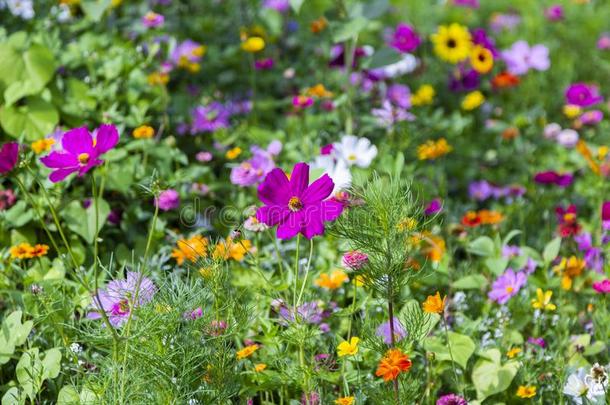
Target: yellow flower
{"points": [[344, 401], [407, 224], [158, 79], [473, 100], [143, 131], [190, 249], [206, 271], [21, 251], [253, 44], [233, 153], [359, 281], [526, 391], [513, 352], [39, 250], [232, 250], [543, 300], [452, 43], [246, 351], [434, 304], [332, 282], [260, 367], [318, 91], [348, 348], [569, 269], [481, 59], [571, 111], [423, 96], [433, 149], [42, 145]]}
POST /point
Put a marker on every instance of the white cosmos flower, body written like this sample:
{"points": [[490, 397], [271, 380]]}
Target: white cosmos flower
{"points": [[580, 385], [337, 170], [355, 151]]}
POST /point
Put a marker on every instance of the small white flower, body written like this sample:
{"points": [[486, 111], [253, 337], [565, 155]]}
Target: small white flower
{"points": [[552, 130], [21, 8], [337, 170], [355, 151], [76, 348], [581, 384], [567, 138]]}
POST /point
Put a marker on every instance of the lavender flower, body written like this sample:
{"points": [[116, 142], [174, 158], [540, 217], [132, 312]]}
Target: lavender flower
{"points": [[168, 200], [210, 118], [507, 286], [385, 331], [520, 58]]}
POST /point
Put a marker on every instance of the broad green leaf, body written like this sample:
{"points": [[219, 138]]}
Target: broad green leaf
{"points": [[490, 376], [19, 214], [68, 395], [36, 118], [595, 348], [51, 363], [12, 397], [474, 281], [510, 236], [482, 246], [82, 221], [296, 5], [551, 250], [349, 29], [94, 9], [462, 347], [13, 334], [496, 265]]}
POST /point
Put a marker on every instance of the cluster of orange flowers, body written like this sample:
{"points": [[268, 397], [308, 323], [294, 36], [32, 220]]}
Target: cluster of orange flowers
{"points": [[332, 281], [433, 149], [194, 248], [27, 251], [568, 269], [482, 217]]}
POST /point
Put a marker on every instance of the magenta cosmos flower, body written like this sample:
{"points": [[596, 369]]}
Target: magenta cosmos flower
{"points": [[552, 177], [507, 286], [296, 206], [602, 287], [451, 399], [405, 39], [8, 157], [118, 299], [152, 20], [80, 151], [583, 95], [168, 200]]}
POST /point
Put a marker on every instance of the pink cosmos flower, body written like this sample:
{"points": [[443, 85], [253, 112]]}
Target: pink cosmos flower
{"points": [[602, 287], [354, 260], [152, 20], [118, 299], [520, 58], [603, 43], [80, 151], [433, 207], [592, 117], [583, 95], [264, 64], [302, 101], [168, 200], [507, 286], [451, 399], [554, 13], [296, 206], [405, 39], [552, 177], [466, 3], [8, 157]]}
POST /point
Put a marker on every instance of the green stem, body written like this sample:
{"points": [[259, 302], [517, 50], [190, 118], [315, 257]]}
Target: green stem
{"points": [[306, 273], [457, 382], [296, 276]]}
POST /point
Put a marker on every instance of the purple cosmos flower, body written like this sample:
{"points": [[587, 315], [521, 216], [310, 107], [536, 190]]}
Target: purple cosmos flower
{"points": [[433, 207], [463, 79], [118, 299], [530, 266], [554, 13], [387, 116], [536, 341], [264, 64], [308, 312], [552, 177], [592, 117], [7, 199], [152, 20], [507, 286], [510, 251], [479, 37], [480, 190], [385, 331], [504, 21], [194, 314], [451, 399], [187, 52], [399, 95], [210, 118], [278, 5], [520, 58], [80, 151], [295, 205], [466, 3], [404, 38], [606, 215], [168, 200], [602, 287], [254, 170], [8, 157], [583, 95], [327, 149], [355, 260], [204, 156], [603, 43]]}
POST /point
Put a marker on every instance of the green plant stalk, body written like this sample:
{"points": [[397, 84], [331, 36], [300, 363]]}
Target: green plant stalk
{"points": [[392, 335], [306, 274], [296, 276], [457, 381]]}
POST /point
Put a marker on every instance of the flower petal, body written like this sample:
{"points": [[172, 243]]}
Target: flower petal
{"points": [[77, 141], [275, 189], [318, 190], [60, 174], [299, 179], [272, 215], [291, 226], [106, 138], [331, 209]]}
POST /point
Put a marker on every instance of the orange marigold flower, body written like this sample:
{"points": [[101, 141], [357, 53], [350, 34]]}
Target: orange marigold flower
{"points": [[344, 401], [260, 367], [332, 281], [190, 249], [21, 251], [246, 351], [433, 149], [143, 131], [39, 250], [232, 250], [318, 25], [318, 91], [489, 217], [393, 363], [434, 304], [42, 145]]}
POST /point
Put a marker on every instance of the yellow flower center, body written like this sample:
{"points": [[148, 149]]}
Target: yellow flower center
{"points": [[295, 204], [351, 157], [83, 158], [509, 289]]}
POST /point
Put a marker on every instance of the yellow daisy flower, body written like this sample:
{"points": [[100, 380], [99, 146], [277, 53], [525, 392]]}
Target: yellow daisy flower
{"points": [[452, 43]]}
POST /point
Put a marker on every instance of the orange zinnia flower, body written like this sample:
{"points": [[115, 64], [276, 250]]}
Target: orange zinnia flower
{"points": [[504, 80], [232, 250], [434, 304], [39, 250], [471, 218], [332, 281], [489, 217], [393, 363]]}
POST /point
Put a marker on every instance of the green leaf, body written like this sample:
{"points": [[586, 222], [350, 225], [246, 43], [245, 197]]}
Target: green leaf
{"points": [[12, 397], [13, 334], [496, 265], [595, 348], [482, 246], [349, 29], [68, 395], [551, 250], [375, 9], [490, 376], [462, 347], [19, 214], [296, 5], [384, 57], [82, 221], [471, 282], [94, 9], [36, 118], [51, 363]]}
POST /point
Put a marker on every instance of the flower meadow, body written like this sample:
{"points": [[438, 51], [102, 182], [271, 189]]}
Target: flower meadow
{"points": [[304, 202]]}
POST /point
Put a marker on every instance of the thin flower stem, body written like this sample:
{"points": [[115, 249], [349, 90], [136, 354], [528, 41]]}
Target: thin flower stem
{"points": [[278, 253], [353, 310], [457, 382], [392, 335], [296, 275], [306, 273]]}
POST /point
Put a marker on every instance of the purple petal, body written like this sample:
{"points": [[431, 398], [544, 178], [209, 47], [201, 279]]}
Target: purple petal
{"points": [[58, 160], [313, 226], [299, 179], [331, 210], [60, 174], [106, 138], [272, 214], [291, 225], [8, 157], [77, 141], [318, 190], [275, 190]]}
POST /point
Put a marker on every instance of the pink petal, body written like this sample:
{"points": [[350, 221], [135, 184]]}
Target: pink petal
{"points": [[318, 190], [60, 174], [275, 190], [77, 141], [272, 214], [299, 179], [291, 226], [331, 210], [58, 160], [106, 138], [313, 226]]}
